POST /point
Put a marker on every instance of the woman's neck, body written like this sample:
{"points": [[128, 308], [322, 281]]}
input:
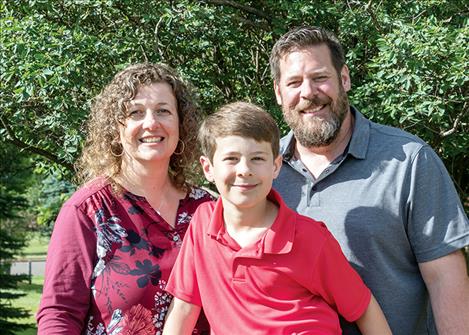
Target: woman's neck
{"points": [[144, 180]]}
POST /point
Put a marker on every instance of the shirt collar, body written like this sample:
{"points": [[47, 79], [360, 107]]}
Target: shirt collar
{"points": [[358, 145], [277, 240]]}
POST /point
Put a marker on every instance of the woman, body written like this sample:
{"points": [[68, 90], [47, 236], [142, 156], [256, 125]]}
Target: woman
{"points": [[115, 241]]}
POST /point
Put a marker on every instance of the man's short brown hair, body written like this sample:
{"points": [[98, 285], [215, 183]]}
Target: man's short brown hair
{"points": [[301, 38]]}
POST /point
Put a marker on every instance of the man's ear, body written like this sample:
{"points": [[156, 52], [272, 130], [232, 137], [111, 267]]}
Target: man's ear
{"points": [[277, 165], [277, 93], [345, 78], [207, 168]]}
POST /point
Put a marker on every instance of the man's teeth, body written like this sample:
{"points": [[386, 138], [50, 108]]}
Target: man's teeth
{"points": [[151, 139], [316, 109]]}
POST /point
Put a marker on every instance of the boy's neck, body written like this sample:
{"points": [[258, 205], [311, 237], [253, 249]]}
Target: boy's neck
{"points": [[247, 226]]}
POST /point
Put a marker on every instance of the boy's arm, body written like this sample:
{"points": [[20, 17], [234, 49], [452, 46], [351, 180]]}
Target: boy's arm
{"points": [[181, 319], [373, 322]]}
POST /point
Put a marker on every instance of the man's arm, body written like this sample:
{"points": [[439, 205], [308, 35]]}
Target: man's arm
{"points": [[373, 322], [181, 319], [448, 284]]}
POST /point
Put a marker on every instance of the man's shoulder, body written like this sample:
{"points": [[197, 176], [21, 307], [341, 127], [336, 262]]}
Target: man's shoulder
{"points": [[380, 133], [306, 226]]}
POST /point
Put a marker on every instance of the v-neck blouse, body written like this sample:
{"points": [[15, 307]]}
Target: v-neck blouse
{"points": [[109, 259]]}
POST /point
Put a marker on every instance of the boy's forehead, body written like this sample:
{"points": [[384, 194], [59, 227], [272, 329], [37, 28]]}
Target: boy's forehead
{"points": [[235, 143]]}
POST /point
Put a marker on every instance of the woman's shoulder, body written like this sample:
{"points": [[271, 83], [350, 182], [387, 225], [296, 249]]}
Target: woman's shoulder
{"points": [[94, 188]]}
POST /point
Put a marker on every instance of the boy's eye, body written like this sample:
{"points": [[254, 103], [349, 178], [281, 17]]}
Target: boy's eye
{"points": [[230, 159], [258, 158]]}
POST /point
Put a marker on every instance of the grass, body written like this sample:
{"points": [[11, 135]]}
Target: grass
{"points": [[29, 302], [36, 248]]}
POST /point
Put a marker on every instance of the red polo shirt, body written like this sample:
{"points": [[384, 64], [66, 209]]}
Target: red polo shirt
{"points": [[294, 280]]}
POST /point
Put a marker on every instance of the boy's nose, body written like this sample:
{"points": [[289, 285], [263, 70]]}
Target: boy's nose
{"points": [[243, 168]]}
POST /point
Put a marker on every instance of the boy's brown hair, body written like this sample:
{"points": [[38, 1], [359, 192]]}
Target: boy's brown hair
{"points": [[238, 119]]}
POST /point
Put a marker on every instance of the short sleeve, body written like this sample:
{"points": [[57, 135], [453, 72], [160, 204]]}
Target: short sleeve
{"points": [[67, 287], [182, 282], [338, 283], [437, 224]]}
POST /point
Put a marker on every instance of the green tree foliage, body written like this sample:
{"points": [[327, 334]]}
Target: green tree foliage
{"points": [[408, 61], [13, 179]]}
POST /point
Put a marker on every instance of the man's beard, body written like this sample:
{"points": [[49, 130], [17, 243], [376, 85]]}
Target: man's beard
{"points": [[317, 131]]}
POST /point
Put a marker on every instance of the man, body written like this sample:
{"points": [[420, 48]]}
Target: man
{"points": [[383, 193]]}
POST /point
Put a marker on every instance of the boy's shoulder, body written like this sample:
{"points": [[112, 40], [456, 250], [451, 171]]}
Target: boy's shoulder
{"points": [[310, 230]]}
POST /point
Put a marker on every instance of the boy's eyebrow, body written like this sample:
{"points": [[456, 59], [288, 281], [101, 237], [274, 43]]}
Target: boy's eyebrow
{"points": [[233, 152]]}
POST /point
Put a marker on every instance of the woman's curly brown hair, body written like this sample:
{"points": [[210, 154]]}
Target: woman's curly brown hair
{"points": [[109, 109]]}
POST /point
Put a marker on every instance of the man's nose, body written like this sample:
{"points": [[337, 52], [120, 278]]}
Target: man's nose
{"points": [[309, 89]]}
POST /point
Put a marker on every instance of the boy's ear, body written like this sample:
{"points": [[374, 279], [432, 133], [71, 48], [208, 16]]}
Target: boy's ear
{"points": [[277, 165], [207, 168]]}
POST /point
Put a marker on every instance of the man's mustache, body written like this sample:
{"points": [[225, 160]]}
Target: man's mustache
{"points": [[311, 103]]}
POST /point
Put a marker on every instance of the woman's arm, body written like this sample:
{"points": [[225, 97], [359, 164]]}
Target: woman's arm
{"points": [[373, 322], [181, 319], [67, 286]]}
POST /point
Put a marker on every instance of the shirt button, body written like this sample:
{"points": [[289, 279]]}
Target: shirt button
{"points": [[175, 238]]}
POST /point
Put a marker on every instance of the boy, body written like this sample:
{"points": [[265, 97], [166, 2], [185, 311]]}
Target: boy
{"points": [[254, 265]]}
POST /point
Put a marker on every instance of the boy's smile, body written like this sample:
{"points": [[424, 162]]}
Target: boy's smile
{"points": [[243, 170]]}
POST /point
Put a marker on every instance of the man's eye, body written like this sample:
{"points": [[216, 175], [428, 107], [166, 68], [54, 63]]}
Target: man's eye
{"points": [[294, 83], [321, 78]]}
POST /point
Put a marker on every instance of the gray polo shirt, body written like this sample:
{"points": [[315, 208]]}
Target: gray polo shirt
{"points": [[391, 204]]}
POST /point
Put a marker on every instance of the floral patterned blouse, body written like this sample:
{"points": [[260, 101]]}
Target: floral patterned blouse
{"points": [[108, 262]]}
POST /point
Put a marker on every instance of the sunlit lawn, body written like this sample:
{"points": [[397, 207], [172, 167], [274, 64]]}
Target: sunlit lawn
{"points": [[30, 302], [36, 247]]}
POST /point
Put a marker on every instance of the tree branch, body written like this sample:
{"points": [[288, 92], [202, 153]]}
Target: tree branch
{"points": [[244, 8], [32, 149], [456, 123]]}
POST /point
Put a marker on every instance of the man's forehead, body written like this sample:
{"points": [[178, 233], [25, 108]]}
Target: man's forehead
{"points": [[313, 59]]}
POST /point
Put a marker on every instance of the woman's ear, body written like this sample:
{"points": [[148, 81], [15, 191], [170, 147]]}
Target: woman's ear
{"points": [[207, 168]]}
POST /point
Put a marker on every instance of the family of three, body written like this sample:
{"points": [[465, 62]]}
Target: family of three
{"points": [[123, 258]]}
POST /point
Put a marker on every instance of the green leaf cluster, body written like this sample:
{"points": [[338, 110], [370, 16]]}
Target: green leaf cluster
{"points": [[408, 61]]}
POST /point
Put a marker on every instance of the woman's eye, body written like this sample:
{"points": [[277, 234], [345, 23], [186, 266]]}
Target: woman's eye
{"points": [[135, 114], [163, 111]]}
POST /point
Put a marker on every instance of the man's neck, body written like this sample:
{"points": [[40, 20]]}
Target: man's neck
{"points": [[316, 159]]}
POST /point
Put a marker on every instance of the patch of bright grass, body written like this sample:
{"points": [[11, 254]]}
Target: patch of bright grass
{"points": [[29, 302], [36, 247]]}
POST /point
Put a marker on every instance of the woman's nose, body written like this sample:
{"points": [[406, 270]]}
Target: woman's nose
{"points": [[150, 120]]}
